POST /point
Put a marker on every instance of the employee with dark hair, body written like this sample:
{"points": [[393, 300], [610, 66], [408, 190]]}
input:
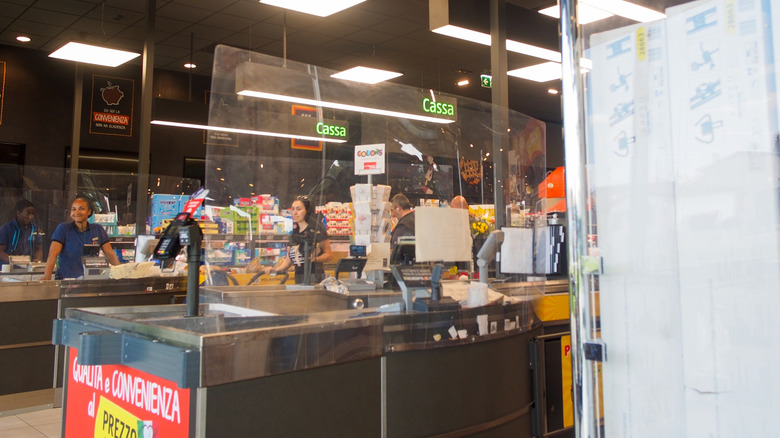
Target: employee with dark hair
{"points": [[402, 210], [306, 228], [17, 237], [72, 240]]}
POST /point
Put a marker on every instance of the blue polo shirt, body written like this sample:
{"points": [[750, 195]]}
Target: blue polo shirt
{"points": [[73, 241], [17, 240]]}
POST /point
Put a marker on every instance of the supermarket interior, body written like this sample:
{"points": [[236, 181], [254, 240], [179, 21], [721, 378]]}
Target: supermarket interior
{"points": [[260, 245]]}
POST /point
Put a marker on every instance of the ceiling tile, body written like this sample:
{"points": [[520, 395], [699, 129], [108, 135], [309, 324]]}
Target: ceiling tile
{"points": [[182, 12], [251, 10], [227, 21], [369, 37], [49, 17], [171, 25], [34, 27], [12, 11], [208, 32], [68, 7], [397, 27], [209, 5], [310, 38]]}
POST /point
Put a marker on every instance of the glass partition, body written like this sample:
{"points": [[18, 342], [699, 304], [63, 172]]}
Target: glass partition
{"points": [[113, 195], [282, 129], [672, 177]]}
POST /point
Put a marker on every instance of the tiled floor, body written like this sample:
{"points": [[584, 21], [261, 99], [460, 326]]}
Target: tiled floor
{"points": [[35, 424]]}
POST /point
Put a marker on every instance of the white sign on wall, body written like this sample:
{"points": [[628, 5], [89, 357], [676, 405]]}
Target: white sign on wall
{"points": [[370, 159]]}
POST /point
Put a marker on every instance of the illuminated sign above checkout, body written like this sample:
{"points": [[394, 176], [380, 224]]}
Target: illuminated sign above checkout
{"points": [[318, 127], [441, 106], [294, 85]]}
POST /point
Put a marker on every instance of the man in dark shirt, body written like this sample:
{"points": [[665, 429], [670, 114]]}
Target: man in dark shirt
{"points": [[17, 237], [402, 209]]}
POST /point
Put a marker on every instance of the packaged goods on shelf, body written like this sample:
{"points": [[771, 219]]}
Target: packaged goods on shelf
{"points": [[271, 224], [266, 204], [125, 255], [338, 218], [167, 207], [209, 227], [163, 207], [241, 224], [219, 256], [107, 221]]}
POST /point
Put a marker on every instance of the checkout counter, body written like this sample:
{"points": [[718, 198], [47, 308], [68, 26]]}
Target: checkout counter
{"points": [[277, 362], [27, 308], [21, 268], [306, 361]]}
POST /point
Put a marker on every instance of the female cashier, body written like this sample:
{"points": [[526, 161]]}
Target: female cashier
{"points": [[71, 241], [306, 228]]}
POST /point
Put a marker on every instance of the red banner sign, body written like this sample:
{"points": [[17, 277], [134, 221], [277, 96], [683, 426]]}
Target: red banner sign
{"points": [[121, 402]]}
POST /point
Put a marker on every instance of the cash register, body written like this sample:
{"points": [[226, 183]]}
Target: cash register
{"points": [[422, 290], [355, 263], [24, 264], [95, 266]]}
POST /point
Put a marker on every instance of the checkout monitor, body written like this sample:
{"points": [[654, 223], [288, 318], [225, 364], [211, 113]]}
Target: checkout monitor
{"points": [[403, 253]]}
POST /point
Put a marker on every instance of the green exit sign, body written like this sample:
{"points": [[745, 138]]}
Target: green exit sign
{"points": [[486, 81]]}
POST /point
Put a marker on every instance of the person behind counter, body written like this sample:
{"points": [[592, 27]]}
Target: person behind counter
{"points": [[459, 202], [306, 228], [17, 237], [402, 210], [71, 241]]}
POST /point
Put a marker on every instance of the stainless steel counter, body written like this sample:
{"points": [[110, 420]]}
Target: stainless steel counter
{"points": [[256, 331], [267, 357], [27, 310]]}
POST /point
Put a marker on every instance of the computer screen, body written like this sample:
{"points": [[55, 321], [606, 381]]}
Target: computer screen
{"points": [[403, 254]]}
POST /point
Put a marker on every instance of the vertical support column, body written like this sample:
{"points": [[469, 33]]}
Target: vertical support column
{"points": [[584, 393], [75, 143], [500, 98], [145, 132]]}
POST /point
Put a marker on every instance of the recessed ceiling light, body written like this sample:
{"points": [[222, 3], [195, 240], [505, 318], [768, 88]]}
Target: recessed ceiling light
{"points": [[23, 39], [190, 65], [585, 13], [93, 54], [366, 75], [552, 91], [463, 83], [544, 72], [320, 8], [511, 45], [627, 10]]}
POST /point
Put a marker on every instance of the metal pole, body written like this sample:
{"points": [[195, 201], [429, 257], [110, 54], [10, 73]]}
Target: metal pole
{"points": [[500, 97], [586, 424], [145, 131], [193, 268], [78, 96]]}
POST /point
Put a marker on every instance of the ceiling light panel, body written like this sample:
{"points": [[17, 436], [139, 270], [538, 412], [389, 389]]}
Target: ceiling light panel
{"points": [[585, 13], [93, 54], [627, 10], [320, 8], [545, 72], [366, 75], [512, 46]]}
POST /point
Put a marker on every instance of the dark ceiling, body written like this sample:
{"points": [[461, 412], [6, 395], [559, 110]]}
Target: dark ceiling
{"points": [[390, 34]]}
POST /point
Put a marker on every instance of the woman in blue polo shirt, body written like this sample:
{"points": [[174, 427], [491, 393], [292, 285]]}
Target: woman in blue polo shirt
{"points": [[71, 240]]}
